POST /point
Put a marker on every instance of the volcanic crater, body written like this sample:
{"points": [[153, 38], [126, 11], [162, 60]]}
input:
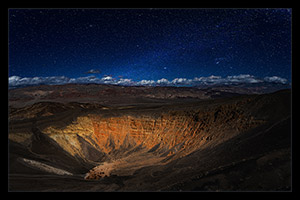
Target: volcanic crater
{"points": [[240, 142]]}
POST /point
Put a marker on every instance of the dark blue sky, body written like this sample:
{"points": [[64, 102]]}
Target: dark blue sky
{"points": [[150, 44]]}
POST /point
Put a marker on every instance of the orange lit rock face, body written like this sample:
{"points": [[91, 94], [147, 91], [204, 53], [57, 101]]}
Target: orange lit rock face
{"points": [[168, 130], [172, 132], [117, 129], [167, 134]]}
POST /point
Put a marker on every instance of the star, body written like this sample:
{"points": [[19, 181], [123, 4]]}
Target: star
{"points": [[190, 42]]}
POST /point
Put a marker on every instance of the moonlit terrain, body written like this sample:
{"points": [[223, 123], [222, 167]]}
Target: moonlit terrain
{"points": [[149, 100]]}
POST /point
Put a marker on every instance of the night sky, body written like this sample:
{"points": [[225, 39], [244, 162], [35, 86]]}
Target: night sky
{"points": [[149, 44]]}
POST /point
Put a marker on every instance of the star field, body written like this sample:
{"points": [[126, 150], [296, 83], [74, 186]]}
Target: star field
{"points": [[150, 44]]}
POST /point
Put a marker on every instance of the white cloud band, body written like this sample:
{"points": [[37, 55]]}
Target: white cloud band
{"points": [[16, 81]]}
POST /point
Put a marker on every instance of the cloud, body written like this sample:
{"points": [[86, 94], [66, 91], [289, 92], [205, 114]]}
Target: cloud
{"points": [[275, 79], [17, 81], [181, 81], [93, 71], [162, 81], [125, 81], [14, 81], [107, 78], [209, 80], [87, 79], [146, 82], [243, 78]]}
